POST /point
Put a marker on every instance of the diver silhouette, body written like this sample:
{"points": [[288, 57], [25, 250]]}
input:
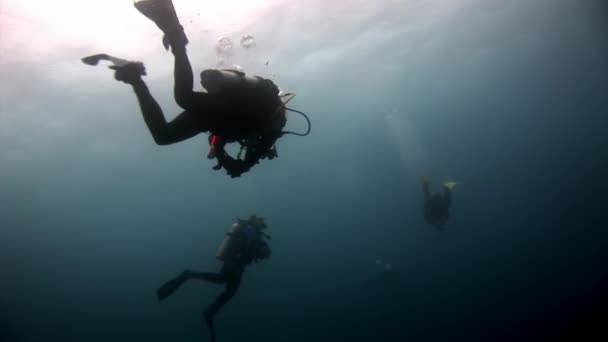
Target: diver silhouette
{"points": [[242, 245], [236, 108], [437, 204]]}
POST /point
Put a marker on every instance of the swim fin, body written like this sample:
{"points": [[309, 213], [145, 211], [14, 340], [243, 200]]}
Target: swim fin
{"points": [[171, 286], [161, 12], [94, 59], [450, 184]]}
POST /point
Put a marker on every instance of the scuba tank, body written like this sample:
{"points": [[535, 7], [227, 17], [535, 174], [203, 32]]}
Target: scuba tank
{"points": [[241, 238], [241, 93], [228, 247], [253, 113], [234, 81]]}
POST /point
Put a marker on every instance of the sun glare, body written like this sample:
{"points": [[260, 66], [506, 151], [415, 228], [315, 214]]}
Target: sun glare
{"points": [[39, 26]]}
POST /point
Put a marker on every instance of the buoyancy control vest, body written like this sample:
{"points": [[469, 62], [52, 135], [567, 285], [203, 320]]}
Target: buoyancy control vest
{"points": [[243, 239], [255, 97], [253, 113]]}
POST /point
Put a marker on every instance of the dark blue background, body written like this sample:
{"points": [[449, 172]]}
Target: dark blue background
{"points": [[85, 243]]}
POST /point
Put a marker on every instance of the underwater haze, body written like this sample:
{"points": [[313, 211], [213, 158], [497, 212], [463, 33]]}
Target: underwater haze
{"points": [[507, 97]]}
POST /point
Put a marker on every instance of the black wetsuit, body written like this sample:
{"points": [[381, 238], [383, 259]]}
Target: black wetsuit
{"points": [[229, 119], [437, 206], [230, 274]]}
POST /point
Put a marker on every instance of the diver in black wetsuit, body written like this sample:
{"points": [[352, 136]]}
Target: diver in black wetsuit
{"points": [[236, 108], [437, 204], [243, 245]]}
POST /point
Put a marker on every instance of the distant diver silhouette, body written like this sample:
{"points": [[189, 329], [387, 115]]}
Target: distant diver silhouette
{"points": [[437, 204], [242, 245]]}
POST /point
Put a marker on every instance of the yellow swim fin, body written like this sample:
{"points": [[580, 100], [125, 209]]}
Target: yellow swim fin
{"points": [[450, 184]]}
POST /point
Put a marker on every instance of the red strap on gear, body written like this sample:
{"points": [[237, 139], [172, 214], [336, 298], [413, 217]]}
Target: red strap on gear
{"points": [[215, 141]]}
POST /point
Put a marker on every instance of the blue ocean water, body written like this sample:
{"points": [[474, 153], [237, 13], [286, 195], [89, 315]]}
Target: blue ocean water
{"points": [[508, 98]]}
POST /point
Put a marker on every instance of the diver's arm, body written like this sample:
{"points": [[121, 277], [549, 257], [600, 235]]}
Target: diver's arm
{"points": [[236, 167], [263, 148]]}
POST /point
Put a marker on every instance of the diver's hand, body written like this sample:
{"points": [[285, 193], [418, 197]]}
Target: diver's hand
{"points": [[234, 168], [129, 73]]}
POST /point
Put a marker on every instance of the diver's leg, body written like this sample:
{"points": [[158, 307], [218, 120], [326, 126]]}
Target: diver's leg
{"points": [[232, 285], [162, 13], [184, 80], [216, 278], [183, 127], [200, 104], [175, 37], [210, 326]]}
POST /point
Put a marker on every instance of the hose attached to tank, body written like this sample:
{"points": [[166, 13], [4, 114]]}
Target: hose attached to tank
{"points": [[284, 105], [307, 121]]}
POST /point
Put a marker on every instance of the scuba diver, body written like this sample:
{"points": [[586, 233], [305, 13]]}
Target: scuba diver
{"points": [[243, 244], [437, 204], [237, 108]]}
